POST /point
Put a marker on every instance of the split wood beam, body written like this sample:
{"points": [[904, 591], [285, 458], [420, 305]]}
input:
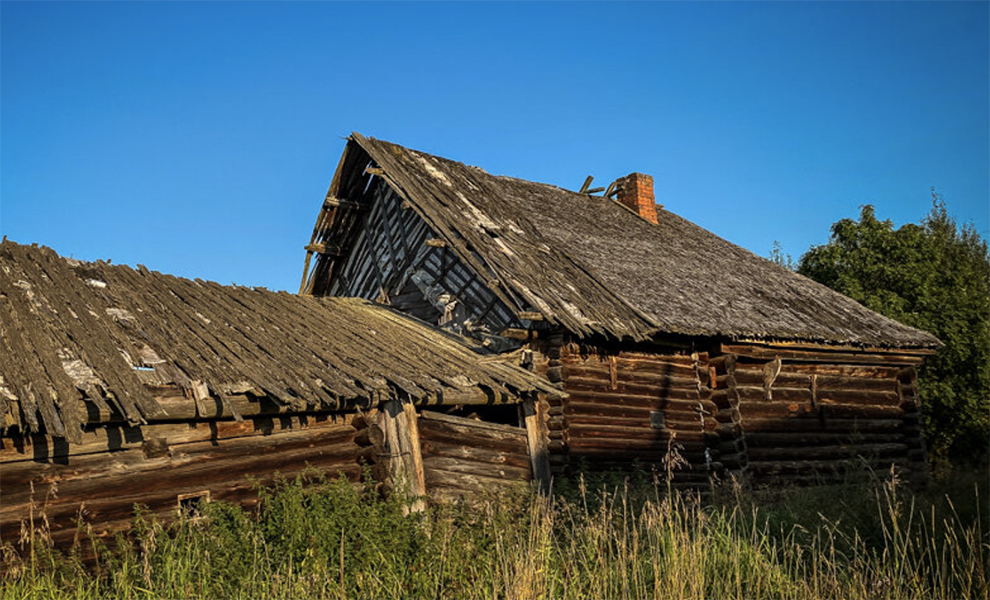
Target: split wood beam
{"points": [[536, 437], [405, 460]]}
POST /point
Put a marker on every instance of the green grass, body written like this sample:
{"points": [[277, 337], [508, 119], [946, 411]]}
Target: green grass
{"points": [[314, 538]]}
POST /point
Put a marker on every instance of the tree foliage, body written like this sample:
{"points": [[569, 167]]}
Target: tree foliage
{"points": [[934, 276], [780, 258]]}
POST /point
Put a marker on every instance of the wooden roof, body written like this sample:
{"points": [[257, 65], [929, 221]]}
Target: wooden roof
{"points": [[113, 333], [594, 267]]}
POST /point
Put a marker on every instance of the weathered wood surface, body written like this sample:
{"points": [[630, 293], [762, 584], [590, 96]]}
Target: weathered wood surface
{"points": [[628, 406], [826, 417], [468, 456], [222, 458], [533, 413], [894, 357], [735, 412]]}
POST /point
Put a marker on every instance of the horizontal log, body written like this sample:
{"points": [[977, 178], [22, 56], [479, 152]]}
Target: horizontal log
{"points": [[827, 452], [755, 377], [111, 514], [789, 378], [484, 469], [245, 453], [858, 371], [729, 430], [584, 385], [630, 359], [494, 429], [665, 380], [807, 467], [107, 438], [441, 478], [756, 423], [759, 394], [477, 454], [805, 438], [111, 486], [805, 411], [693, 451], [579, 431], [443, 434], [634, 407], [901, 359], [779, 394]]}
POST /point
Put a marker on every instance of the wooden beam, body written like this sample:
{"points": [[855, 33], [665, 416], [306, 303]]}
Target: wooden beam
{"points": [[536, 438], [611, 191], [515, 334], [436, 243], [403, 449], [529, 315], [586, 184], [332, 202], [415, 448], [305, 275], [325, 250], [860, 357]]}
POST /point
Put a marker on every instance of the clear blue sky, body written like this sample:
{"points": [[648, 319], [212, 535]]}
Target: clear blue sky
{"points": [[199, 139]]}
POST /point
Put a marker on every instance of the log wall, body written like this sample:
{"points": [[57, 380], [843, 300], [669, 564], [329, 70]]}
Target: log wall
{"points": [[768, 415], [464, 456], [805, 420], [448, 456], [117, 466], [625, 408]]}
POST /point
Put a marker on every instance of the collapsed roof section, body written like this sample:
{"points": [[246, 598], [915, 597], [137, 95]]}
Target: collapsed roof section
{"points": [[116, 336]]}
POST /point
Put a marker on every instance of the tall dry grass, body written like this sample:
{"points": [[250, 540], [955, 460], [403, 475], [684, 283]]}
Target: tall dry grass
{"points": [[314, 538]]}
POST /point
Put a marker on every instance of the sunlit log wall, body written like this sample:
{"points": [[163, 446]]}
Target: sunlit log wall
{"points": [[626, 410], [807, 418], [803, 418]]}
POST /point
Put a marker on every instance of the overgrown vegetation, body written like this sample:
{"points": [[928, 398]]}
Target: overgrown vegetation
{"points": [[935, 276], [331, 539]]}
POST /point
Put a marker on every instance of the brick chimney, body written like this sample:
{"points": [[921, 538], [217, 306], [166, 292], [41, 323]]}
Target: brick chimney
{"points": [[636, 192]]}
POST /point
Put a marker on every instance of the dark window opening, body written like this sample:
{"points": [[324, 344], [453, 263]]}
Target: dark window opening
{"points": [[191, 505]]}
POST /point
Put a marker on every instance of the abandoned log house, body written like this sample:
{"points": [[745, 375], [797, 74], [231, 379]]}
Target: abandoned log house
{"points": [[123, 386], [659, 331]]}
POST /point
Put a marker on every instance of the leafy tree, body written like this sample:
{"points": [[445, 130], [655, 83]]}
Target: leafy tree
{"points": [[934, 276]]}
